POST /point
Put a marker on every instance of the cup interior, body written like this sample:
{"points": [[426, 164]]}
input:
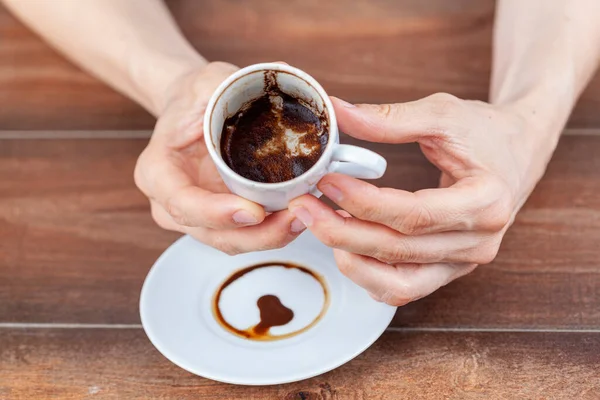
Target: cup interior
{"points": [[251, 86]]}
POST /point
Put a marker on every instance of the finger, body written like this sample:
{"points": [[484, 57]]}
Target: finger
{"points": [[276, 231], [344, 213], [480, 204], [375, 297], [385, 244], [398, 285], [446, 180], [166, 182], [162, 218], [431, 117]]}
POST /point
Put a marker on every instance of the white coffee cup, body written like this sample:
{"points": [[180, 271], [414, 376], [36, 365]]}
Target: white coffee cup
{"points": [[248, 84]]}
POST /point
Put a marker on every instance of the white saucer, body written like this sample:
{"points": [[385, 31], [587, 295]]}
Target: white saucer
{"points": [[176, 312]]}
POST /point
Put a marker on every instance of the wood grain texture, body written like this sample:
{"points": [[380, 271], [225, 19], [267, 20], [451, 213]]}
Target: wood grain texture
{"points": [[364, 51], [76, 240], [122, 364], [76, 237], [41, 90]]}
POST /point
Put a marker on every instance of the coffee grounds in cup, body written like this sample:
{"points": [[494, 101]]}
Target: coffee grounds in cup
{"points": [[274, 138]]}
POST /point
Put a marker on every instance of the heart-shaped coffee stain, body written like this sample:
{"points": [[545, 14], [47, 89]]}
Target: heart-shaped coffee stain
{"points": [[272, 313]]}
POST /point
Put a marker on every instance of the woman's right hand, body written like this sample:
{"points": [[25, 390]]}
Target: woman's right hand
{"points": [[185, 190]]}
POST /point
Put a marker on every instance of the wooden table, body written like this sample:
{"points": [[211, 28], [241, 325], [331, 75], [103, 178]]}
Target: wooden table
{"points": [[76, 237]]}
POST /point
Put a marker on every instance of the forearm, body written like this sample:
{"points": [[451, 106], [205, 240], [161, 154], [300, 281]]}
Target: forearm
{"points": [[133, 45], [545, 52]]}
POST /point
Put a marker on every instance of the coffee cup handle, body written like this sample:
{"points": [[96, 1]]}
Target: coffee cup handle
{"points": [[357, 162]]}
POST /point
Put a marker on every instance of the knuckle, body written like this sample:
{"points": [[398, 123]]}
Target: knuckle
{"points": [[225, 245], [398, 296], [330, 238], [374, 296], [273, 242], [141, 171], [231, 251], [223, 67], [384, 110], [444, 104], [370, 213], [417, 221], [159, 218], [387, 255], [369, 210], [137, 174], [400, 252], [174, 211], [487, 253], [497, 215], [345, 266]]}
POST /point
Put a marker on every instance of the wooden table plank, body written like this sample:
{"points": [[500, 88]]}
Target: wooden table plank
{"points": [[396, 50], [76, 240], [76, 237], [122, 364]]}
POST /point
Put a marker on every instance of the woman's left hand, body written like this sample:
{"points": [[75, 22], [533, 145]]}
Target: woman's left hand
{"points": [[401, 246]]}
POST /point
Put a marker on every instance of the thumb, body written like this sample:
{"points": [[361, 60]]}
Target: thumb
{"points": [[395, 123]]}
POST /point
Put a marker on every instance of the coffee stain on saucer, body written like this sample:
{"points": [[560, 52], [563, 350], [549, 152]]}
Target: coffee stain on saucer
{"points": [[272, 311]]}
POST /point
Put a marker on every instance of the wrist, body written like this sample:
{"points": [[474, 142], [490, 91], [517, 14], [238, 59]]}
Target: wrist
{"points": [[544, 108], [538, 81], [547, 109], [539, 119], [154, 80]]}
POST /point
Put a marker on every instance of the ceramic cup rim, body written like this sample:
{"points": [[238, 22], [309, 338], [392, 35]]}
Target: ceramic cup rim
{"points": [[277, 67]]}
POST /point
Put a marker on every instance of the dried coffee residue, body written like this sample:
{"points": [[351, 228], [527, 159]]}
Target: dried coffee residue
{"points": [[272, 311], [274, 138]]}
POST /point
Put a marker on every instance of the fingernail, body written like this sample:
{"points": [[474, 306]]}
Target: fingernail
{"points": [[297, 226], [344, 213], [332, 192], [303, 215], [345, 103], [243, 217]]}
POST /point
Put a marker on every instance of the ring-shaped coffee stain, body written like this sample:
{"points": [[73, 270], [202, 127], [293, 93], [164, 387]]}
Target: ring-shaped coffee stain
{"points": [[277, 315]]}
